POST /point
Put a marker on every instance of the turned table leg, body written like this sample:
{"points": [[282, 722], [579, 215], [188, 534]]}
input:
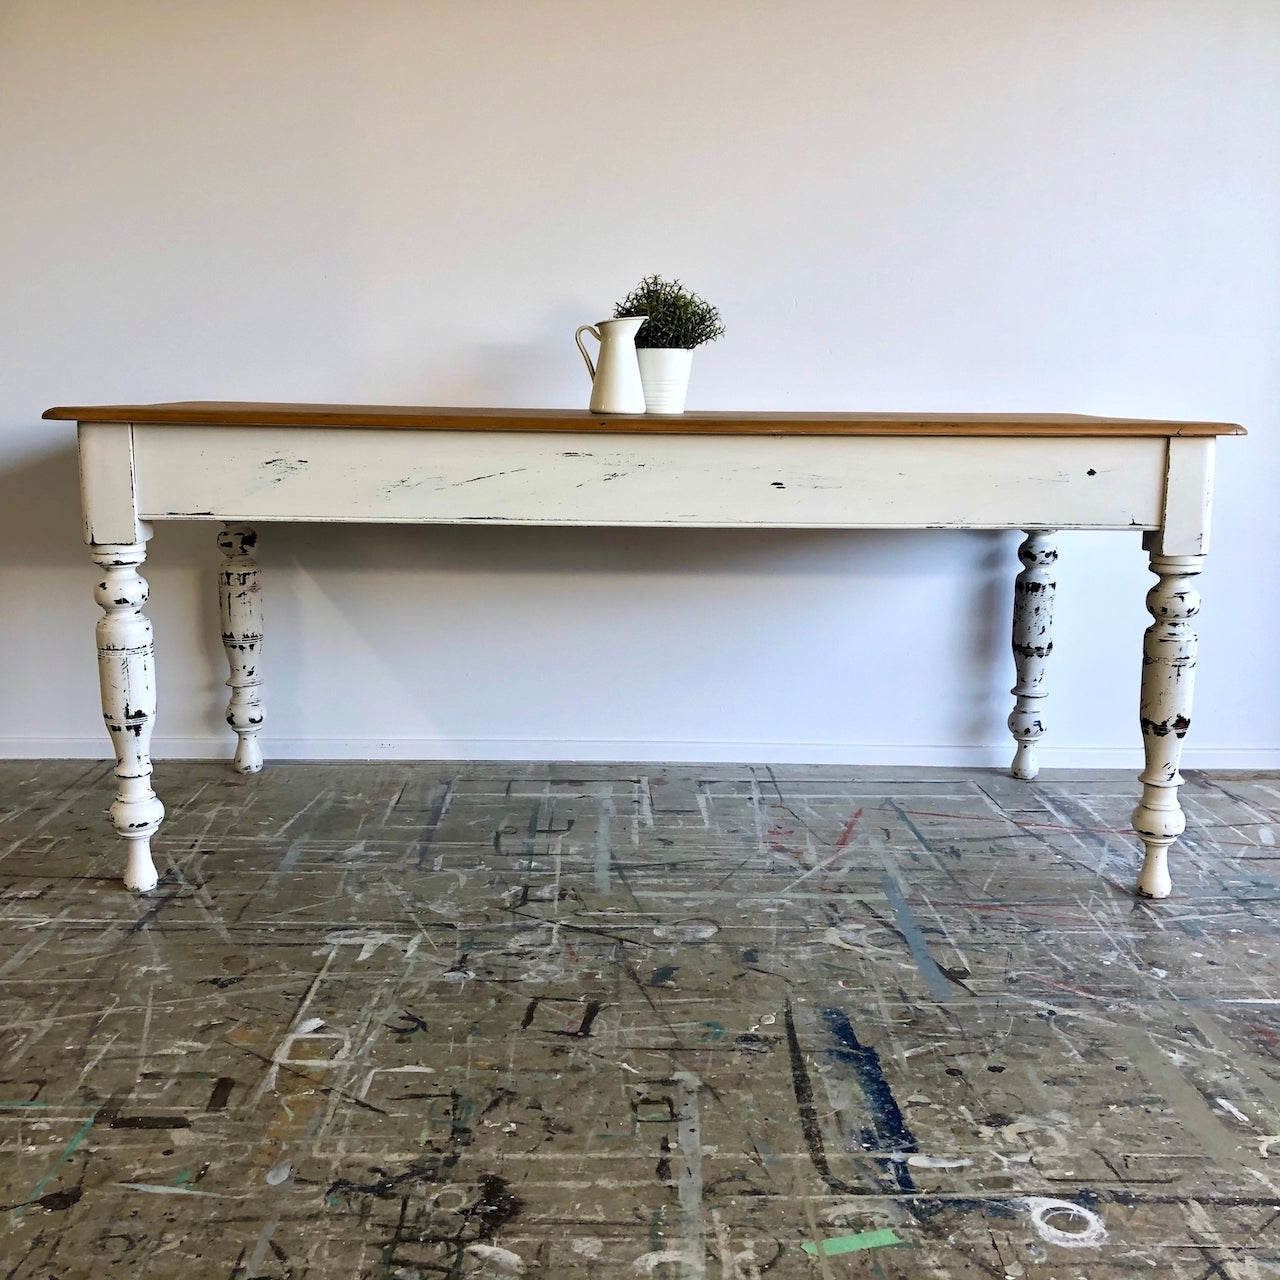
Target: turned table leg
{"points": [[240, 603], [1033, 594], [126, 671], [1168, 675]]}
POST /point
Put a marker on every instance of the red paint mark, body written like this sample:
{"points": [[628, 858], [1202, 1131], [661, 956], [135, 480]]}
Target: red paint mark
{"points": [[783, 848], [848, 830]]}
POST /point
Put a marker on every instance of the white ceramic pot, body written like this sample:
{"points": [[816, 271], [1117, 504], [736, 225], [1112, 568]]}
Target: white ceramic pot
{"points": [[664, 373]]}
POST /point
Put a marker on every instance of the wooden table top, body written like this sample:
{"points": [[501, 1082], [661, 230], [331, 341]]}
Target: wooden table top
{"points": [[719, 422]]}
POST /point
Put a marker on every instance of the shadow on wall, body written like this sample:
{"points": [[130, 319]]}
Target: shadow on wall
{"points": [[547, 371], [40, 510], [479, 549], [978, 567], [983, 704]]}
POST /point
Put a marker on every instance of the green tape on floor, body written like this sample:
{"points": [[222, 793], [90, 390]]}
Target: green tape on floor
{"points": [[848, 1244]]}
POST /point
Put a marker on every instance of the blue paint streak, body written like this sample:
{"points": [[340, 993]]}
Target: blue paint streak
{"points": [[911, 826], [939, 987], [889, 1131]]}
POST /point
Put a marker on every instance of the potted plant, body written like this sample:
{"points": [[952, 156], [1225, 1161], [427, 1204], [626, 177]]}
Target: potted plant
{"points": [[677, 321]]}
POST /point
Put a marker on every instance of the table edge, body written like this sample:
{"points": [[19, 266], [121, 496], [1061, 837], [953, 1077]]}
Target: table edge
{"points": [[720, 422]]}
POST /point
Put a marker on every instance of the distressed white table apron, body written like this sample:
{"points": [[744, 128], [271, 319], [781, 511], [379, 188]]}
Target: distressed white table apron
{"points": [[243, 465]]}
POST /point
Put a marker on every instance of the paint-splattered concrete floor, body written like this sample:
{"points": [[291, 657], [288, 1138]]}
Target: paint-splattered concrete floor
{"points": [[665, 1021]]}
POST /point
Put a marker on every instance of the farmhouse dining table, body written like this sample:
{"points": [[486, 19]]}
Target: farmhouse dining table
{"points": [[246, 464]]}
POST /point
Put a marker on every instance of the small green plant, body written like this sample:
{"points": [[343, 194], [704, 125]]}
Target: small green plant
{"points": [[677, 317]]}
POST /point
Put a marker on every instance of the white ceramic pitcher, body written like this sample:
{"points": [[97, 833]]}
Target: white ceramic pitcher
{"points": [[615, 375]]}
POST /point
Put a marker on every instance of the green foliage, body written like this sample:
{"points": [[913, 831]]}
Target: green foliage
{"points": [[677, 317]]}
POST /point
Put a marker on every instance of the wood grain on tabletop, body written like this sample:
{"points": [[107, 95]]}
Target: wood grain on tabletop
{"points": [[718, 422]]}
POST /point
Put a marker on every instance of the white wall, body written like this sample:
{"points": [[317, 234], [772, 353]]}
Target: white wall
{"points": [[998, 205]]}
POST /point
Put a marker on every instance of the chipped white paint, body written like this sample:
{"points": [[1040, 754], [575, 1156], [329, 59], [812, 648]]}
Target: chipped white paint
{"points": [[1168, 676], [568, 478], [126, 672], [240, 605], [134, 472], [1033, 596], [1188, 497], [108, 498]]}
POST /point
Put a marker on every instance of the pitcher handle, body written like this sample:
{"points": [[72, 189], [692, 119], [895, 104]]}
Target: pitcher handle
{"points": [[577, 337]]}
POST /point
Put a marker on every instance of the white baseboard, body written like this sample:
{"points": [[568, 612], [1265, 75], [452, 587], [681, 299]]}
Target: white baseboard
{"points": [[687, 751]]}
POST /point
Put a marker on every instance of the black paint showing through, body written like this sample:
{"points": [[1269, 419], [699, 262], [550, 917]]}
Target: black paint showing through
{"points": [[221, 1092], [809, 1125], [584, 1027], [889, 1131]]}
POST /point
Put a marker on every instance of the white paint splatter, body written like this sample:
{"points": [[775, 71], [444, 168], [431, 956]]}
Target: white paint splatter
{"points": [[588, 1247], [689, 1183], [833, 938], [369, 940], [1091, 1234], [1234, 1110], [278, 1173], [503, 1259], [154, 1190], [938, 1162], [650, 1262], [687, 931], [307, 1030], [735, 1264]]}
